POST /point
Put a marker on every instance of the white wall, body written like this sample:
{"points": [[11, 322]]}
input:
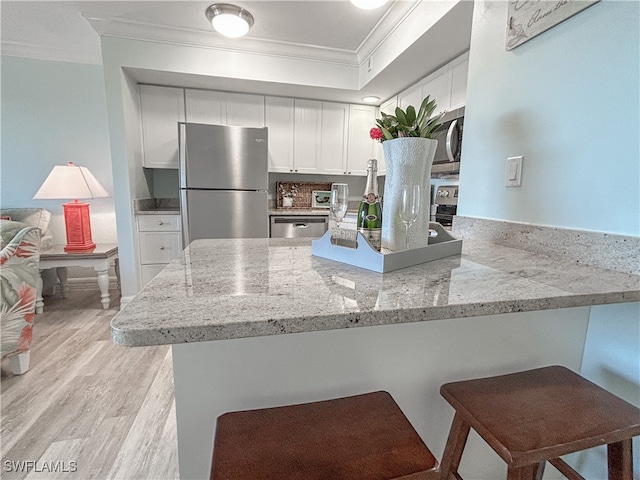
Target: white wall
{"points": [[54, 113], [568, 101]]}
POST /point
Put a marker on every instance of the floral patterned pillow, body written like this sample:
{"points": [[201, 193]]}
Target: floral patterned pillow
{"points": [[19, 259]]}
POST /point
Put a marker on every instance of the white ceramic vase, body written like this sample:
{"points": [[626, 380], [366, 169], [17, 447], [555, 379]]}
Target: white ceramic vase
{"points": [[408, 161]]}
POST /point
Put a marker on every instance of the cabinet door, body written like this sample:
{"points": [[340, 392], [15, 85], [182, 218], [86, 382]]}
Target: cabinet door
{"points": [[205, 106], [459, 84], [306, 142], [279, 121], [161, 109], [148, 272], [388, 107], [334, 135], [412, 96], [438, 87], [362, 119], [245, 110]]}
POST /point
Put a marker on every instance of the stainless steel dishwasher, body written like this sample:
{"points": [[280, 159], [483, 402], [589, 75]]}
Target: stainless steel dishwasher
{"points": [[290, 226]]}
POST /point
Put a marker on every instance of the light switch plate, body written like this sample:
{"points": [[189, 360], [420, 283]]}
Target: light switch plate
{"points": [[513, 174]]}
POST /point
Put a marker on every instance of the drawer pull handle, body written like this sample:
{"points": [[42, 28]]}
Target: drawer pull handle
{"points": [[161, 248], [160, 222]]}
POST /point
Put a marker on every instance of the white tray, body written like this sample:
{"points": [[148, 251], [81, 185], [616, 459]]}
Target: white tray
{"points": [[365, 256]]}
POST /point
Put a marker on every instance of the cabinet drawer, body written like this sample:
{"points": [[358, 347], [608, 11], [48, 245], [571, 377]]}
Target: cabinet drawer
{"points": [[150, 271], [159, 247], [159, 223]]}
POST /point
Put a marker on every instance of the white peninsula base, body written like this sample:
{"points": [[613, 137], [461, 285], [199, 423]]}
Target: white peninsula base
{"points": [[411, 361]]}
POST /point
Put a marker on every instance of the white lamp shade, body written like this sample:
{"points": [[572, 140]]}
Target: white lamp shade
{"points": [[70, 181]]}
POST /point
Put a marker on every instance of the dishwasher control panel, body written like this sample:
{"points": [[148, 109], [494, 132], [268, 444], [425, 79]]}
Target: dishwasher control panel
{"points": [[298, 226]]}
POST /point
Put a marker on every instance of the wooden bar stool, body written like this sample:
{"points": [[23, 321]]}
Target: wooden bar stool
{"points": [[535, 416], [364, 437]]}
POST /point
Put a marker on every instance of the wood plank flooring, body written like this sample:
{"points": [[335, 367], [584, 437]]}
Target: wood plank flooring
{"points": [[88, 409]]}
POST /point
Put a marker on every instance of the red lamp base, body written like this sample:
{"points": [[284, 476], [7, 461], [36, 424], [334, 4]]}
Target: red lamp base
{"points": [[78, 226]]}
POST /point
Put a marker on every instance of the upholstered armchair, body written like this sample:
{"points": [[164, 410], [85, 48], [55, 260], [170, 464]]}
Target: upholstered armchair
{"points": [[19, 262]]}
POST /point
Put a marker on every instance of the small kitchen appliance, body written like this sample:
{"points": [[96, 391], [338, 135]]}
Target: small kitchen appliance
{"points": [[447, 204], [447, 157], [223, 181]]}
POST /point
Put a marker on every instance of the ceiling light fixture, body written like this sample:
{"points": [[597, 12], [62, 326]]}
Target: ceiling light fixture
{"points": [[370, 99], [368, 4], [229, 20]]}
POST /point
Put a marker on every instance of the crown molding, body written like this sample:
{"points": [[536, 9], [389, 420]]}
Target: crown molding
{"points": [[38, 52], [392, 19], [135, 30]]}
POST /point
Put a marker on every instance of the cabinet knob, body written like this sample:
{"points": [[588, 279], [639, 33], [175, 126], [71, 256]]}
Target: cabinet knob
{"points": [[160, 222], [161, 248]]}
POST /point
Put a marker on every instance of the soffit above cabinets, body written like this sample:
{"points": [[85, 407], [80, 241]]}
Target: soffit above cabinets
{"points": [[330, 32]]}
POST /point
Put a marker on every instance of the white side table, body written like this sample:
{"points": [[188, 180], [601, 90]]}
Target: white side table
{"points": [[100, 258]]}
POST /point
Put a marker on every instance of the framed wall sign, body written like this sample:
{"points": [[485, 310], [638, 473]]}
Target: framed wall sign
{"points": [[528, 18]]}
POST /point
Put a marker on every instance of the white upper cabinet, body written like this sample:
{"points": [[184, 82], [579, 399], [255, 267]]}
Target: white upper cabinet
{"points": [[333, 138], [279, 118], [388, 107], [459, 82], [306, 140], [161, 109], [411, 96], [245, 110], [448, 85], [362, 119], [438, 87], [221, 108], [205, 106]]}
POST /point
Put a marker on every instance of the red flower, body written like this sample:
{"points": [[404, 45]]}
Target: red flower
{"points": [[375, 133]]}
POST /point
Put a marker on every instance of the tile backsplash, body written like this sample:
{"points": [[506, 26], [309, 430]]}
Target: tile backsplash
{"points": [[302, 193]]}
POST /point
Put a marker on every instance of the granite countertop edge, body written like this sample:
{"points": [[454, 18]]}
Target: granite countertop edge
{"points": [[540, 282], [267, 327]]}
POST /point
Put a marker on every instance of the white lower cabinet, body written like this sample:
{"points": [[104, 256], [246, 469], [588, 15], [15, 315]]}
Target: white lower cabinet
{"points": [[160, 240]]}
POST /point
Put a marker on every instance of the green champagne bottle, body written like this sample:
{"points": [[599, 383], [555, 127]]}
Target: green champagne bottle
{"points": [[370, 211]]}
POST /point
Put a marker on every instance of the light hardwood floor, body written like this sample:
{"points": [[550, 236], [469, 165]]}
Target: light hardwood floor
{"points": [[86, 404]]}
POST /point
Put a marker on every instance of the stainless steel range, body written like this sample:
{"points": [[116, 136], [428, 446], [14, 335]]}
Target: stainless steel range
{"points": [[447, 204]]}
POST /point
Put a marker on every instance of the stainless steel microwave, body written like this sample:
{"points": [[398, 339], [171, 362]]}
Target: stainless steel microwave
{"points": [[449, 136]]}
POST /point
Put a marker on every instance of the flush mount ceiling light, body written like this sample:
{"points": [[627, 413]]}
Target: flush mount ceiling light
{"points": [[368, 4], [370, 99], [229, 20]]}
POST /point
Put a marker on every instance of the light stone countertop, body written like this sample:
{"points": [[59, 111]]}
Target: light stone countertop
{"points": [[234, 288]]}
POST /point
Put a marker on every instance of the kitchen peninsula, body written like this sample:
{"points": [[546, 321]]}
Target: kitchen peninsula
{"points": [[261, 322]]}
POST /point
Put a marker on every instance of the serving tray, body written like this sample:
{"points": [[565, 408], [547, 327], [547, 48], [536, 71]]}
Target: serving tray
{"points": [[360, 253]]}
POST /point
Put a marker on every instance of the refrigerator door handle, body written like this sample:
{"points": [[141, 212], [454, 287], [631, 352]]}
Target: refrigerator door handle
{"points": [[182, 154], [184, 218]]}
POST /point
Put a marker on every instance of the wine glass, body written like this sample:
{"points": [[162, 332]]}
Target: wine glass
{"points": [[339, 201], [410, 208]]}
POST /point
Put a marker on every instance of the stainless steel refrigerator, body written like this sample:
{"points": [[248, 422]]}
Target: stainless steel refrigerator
{"points": [[223, 181]]}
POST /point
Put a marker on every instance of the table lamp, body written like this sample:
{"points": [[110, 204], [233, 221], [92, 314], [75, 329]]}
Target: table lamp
{"points": [[73, 182]]}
